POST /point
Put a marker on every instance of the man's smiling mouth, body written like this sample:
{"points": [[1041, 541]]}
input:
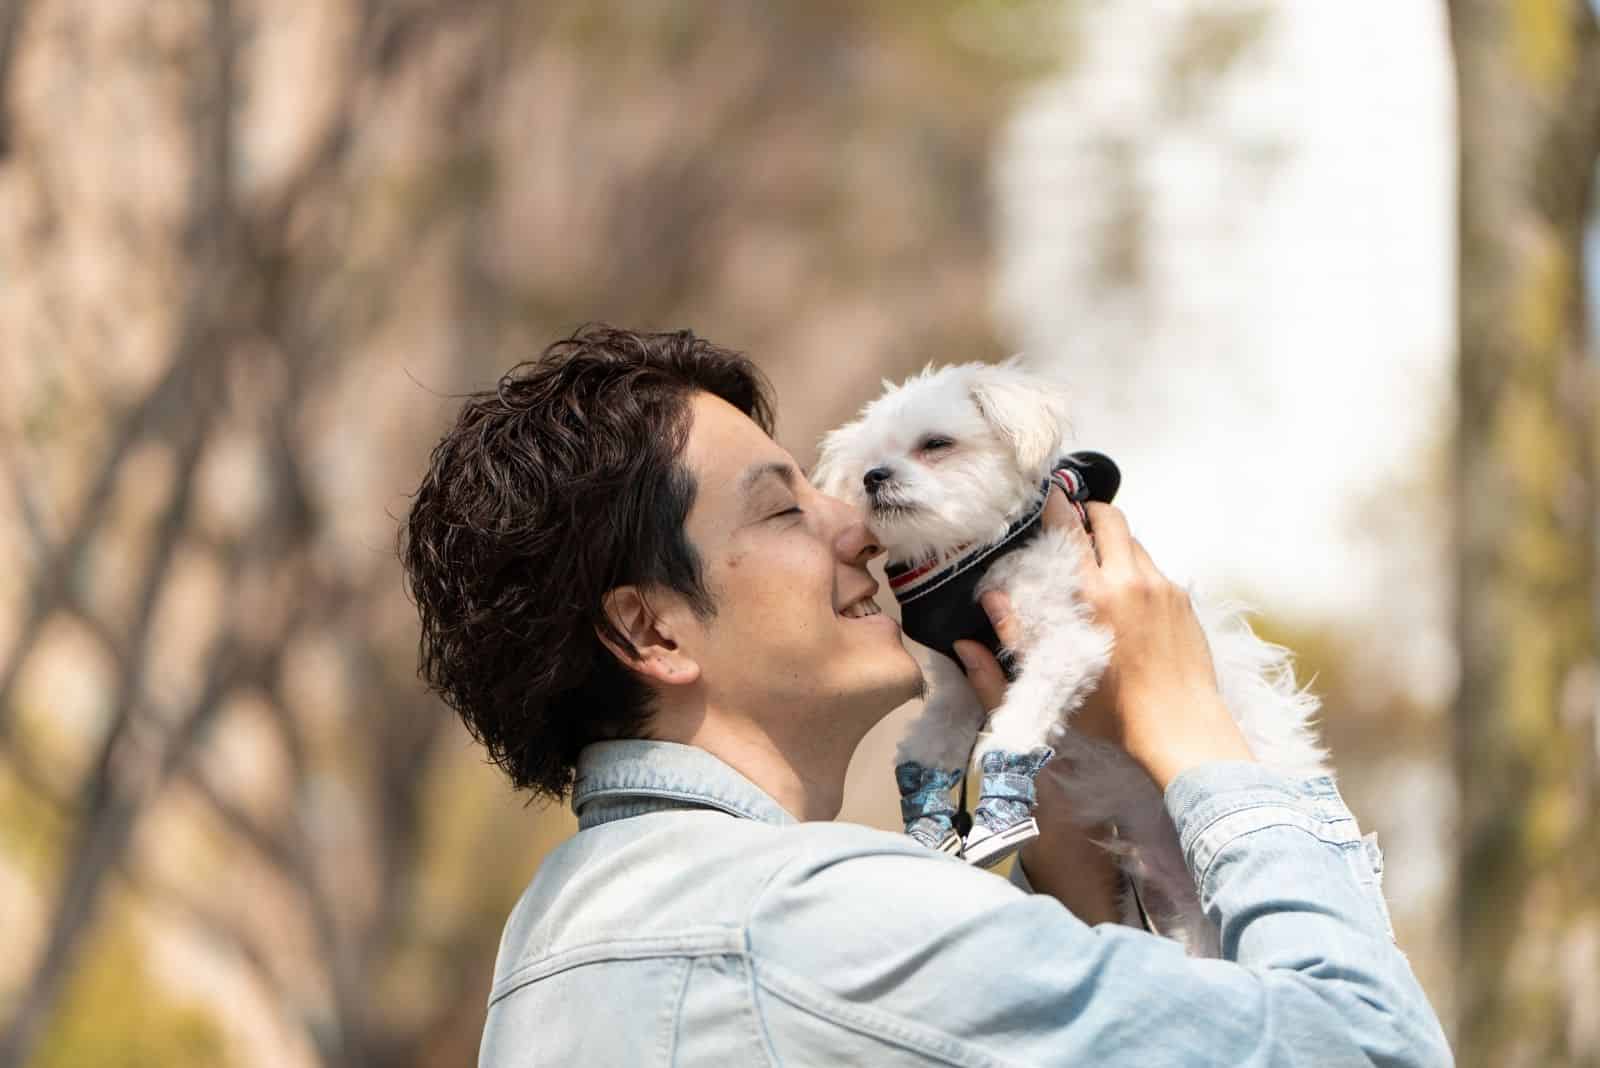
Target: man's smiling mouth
{"points": [[861, 609]]}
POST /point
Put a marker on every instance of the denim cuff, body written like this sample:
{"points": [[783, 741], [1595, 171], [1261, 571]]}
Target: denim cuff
{"points": [[1205, 784], [1216, 803]]}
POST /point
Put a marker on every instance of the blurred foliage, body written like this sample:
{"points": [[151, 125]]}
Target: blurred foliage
{"points": [[1211, 43], [1527, 712], [32, 830], [115, 1014], [232, 348], [252, 252], [1359, 708]]}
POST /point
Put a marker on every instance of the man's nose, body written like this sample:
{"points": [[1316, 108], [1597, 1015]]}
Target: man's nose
{"points": [[875, 478], [859, 545], [854, 543]]}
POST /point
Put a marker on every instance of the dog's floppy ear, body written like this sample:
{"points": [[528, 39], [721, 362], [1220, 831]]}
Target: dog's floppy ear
{"points": [[1027, 410]]}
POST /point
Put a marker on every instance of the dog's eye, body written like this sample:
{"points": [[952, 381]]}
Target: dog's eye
{"points": [[934, 444]]}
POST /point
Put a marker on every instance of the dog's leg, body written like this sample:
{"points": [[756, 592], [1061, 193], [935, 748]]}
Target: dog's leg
{"points": [[943, 733], [932, 756], [1062, 654]]}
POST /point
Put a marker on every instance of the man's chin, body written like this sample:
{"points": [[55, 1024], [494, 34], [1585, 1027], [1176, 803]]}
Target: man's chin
{"points": [[887, 685], [909, 685], [919, 687]]}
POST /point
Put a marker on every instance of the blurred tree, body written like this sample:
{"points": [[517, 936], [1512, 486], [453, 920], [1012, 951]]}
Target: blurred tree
{"points": [[238, 261], [1528, 919], [117, 1017]]}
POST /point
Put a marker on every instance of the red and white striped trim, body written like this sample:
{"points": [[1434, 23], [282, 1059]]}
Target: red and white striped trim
{"points": [[910, 580]]}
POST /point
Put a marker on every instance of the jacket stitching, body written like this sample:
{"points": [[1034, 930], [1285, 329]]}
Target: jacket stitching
{"points": [[753, 1014], [1211, 844], [1195, 840], [731, 807], [673, 1014], [873, 1023], [755, 1002], [703, 943]]}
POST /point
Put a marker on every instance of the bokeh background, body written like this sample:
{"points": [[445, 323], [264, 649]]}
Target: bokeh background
{"points": [[1323, 277]]}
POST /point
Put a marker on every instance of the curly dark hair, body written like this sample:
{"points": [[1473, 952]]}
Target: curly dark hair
{"points": [[562, 483]]}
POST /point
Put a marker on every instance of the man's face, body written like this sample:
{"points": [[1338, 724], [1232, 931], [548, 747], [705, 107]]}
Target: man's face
{"points": [[782, 561]]}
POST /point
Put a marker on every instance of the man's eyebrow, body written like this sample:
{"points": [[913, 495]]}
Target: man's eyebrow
{"points": [[771, 469]]}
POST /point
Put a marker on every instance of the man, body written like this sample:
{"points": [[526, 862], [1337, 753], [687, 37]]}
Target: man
{"points": [[631, 594]]}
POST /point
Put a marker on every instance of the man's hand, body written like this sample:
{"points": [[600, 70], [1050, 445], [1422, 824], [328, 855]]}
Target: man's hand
{"points": [[1159, 693]]}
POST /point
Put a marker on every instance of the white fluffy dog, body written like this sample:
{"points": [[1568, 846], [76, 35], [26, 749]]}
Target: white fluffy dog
{"points": [[952, 458]]}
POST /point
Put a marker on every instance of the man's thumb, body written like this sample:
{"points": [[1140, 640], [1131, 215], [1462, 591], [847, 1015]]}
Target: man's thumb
{"points": [[983, 672], [997, 606]]}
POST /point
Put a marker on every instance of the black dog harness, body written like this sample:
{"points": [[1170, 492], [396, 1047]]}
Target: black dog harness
{"points": [[938, 599]]}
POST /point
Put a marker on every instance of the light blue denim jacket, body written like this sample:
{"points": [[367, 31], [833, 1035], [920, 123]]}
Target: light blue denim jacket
{"points": [[692, 921]]}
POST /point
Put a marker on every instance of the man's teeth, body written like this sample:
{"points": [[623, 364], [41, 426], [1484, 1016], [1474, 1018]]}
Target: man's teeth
{"points": [[859, 609]]}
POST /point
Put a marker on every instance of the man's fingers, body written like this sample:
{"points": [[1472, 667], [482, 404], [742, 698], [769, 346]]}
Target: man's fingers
{"points": [[1058, 511], [1142, 558], [1059, 514], [1111, 537], [983, 672], [1007, 627], [1121, 554]]}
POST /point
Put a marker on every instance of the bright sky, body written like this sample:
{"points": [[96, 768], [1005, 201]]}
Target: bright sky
{"points": [[1285, 367]]}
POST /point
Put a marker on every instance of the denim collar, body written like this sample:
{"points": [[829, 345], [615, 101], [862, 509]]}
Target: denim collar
{"points": [[631, 777]]}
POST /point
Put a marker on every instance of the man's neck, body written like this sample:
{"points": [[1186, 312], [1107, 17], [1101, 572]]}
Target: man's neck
{"points": [[807, 779]]}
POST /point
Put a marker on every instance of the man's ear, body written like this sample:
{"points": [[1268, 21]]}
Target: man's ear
{"points": [[1026, 410], [657, 655]]}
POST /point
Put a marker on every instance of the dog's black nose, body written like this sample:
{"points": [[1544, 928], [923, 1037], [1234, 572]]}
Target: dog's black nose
{"points": [[875, 478]]}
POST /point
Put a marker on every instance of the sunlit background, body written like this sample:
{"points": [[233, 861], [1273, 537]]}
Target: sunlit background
{"points": [[1321, 276]]}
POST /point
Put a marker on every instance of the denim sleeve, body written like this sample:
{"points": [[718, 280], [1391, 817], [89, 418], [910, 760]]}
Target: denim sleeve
{"points": [[953, 965]]}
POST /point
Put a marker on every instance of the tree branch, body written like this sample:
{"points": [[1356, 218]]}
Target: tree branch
{"points": [[112, 805], [11, 14]]}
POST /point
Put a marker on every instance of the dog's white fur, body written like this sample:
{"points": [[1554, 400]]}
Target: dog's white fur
{"points": [[1007, 426]]}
